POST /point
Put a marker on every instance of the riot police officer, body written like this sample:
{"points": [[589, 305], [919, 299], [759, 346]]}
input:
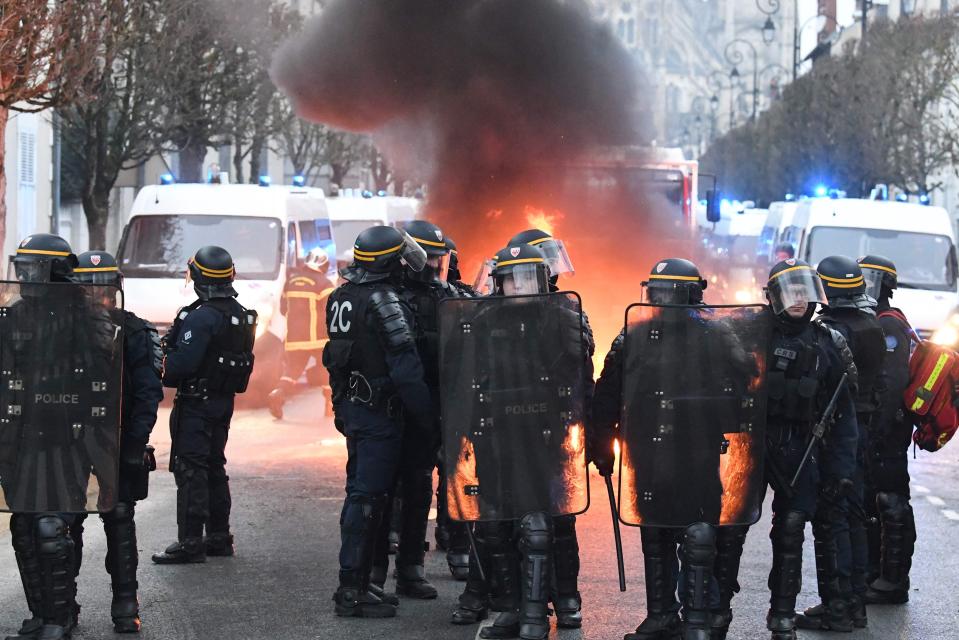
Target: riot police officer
{"points": [[455, 277], [422, 291], [379, 399], [673, 281], [304, 296], [807, 362], [142, 393], [518, 549], [57, 329], [208, 360], [564, 595], [890, 435], [838, 525]]}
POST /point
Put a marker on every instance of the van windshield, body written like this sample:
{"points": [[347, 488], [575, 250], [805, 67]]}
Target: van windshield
{"points": [[923, 260], [159, 246]]}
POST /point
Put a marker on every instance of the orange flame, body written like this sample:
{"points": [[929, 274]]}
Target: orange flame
{"points": [[539, 219]]}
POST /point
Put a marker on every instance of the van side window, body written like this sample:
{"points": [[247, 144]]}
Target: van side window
{"points": [[307, 237], [291, 245]]}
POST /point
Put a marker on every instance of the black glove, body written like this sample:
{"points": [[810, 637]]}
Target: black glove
{"points": [[836, 489], [602, 456], [132, 452]]}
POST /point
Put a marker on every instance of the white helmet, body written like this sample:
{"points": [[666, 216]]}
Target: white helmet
{"points": [[317, 260]]}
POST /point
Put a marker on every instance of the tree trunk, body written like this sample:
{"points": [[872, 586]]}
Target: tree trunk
{"points": [[238, 156], [191, 163], [96, 209], [339, 173], [256, 151], [4, 114]]}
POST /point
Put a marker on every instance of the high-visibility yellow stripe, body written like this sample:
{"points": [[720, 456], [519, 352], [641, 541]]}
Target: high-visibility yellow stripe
{"points": [[95, 269], [376, 253], [879, 267], [429, 242], [307, 345], [520, 261], [838, 281], [931, 382], [302, 279], [687, 278], [363, 258], [42, 252], [802, 266], [541, 240], [207, 271], [855, 284]]}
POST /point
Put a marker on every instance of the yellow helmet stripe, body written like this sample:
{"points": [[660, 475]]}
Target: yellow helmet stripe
{"points": [[540, 241], [213, 273], [520, 261], [43, 252], [685, 278], [429, 242], [802, 266], [371, 254], [853, 285], [878, 267], [838, 281], [95, 269]]}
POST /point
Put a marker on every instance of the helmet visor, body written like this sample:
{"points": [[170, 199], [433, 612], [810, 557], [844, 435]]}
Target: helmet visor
{"points": [[795, 287], [106, 275], [412, 253], [557, 259], [483, 284], [660, 292], [874, 279], [523, 280], [30, 270], [440, 265]]}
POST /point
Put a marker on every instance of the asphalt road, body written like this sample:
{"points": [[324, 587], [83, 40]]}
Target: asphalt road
{"points": [[287, 479]]}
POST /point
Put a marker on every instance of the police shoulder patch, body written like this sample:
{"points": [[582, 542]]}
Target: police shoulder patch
{"points": [[187, 337]]}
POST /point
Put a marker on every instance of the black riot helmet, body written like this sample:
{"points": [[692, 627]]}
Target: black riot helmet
{"points": [[675, 281], [212, 272], [431, 240], [454, 270], [557, 259], [43, 257], [880, 276], [520, 270], [793, 291], [380, 252], [97, 267], [843, 282]]}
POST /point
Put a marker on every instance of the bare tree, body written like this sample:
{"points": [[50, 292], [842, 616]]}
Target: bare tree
{"points": [[48, 51], [118, 130]]}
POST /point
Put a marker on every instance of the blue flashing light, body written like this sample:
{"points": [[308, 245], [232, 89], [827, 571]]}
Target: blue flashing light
{"points": [[167, 178], [902, 197], [299, 181], [924, 199], [367, 193], [790, 197], [381, 193], [265, 181], [821, 191]]}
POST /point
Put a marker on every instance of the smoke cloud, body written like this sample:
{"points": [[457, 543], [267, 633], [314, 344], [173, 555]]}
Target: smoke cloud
{"points": [[490, 102]]}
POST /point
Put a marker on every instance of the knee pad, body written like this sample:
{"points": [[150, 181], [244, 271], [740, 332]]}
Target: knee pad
{"points": [[892, 505], [498, 535], [359, 511], [53, 538], [535, 532], [787, 533], [699, 544]]}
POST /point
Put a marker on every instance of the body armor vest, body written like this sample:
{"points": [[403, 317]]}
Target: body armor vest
{"points": [[868, 345], [796, 372], [354, 344], [424, 300], [228, 362]]}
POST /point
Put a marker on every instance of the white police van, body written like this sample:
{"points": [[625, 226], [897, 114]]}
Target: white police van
{"points": [[266, 229], [918, 238]]}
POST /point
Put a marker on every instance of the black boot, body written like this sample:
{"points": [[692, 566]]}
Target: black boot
{"points": [[275, 401], [506, 625], [504, 576], [565, 590], [662, 620], [219, 544], [189, 551], [785, 577], [833, 612], [55, 551], [473, 603], [411, 582], [24, 545], [898, 544], [458, 549], [353, 599], [535, 543], [121, 563], [719, 622], [699, 559], [729, 552]]}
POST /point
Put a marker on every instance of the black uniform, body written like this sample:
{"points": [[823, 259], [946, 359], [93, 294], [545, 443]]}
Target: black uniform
{"points": [[208, 360]]}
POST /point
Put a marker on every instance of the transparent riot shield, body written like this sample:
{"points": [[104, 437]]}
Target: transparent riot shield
{"points": [[61, 355], [512, 386], [694, 415]]}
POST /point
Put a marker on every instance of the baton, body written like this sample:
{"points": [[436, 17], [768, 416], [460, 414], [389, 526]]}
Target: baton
{"points": [[474, 551], [616, 534], [819, 431]]}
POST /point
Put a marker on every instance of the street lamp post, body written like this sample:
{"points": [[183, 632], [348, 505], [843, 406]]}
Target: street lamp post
{"points": [[717, 82], [735, 57], [797, 39], [770, 8]]}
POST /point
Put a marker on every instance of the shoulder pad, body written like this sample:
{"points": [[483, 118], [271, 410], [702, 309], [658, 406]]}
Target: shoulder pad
{"points": [[615, 350], [155, 347], [391, 323], [845, 353], [588, 335], [132, 323]]}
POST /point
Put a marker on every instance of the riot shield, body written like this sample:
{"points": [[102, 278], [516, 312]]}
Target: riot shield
{"points": [[61, 355], [512, 387], [694, 415]]}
